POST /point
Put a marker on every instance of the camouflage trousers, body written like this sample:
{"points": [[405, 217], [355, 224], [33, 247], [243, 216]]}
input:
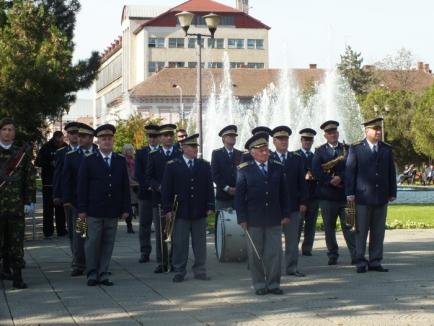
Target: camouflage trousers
{"points": [[12, 241]]}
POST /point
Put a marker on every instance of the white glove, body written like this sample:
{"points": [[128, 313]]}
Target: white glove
{"points": [[29, 209]]}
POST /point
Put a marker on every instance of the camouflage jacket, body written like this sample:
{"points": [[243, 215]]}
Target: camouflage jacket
{"points": [[19, 188]]}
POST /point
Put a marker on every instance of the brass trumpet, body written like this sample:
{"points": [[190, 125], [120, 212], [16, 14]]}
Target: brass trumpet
{"points": [[170, 224], [81, 227], [350, 215]]}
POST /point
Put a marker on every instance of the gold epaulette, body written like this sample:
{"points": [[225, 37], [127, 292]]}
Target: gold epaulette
{"points": [[387, 144], [358, 142], [172, 161], [277, 162], [296, 153], [121, 155], [242, 165], [70, 152], [154, 151], [61, 148]]}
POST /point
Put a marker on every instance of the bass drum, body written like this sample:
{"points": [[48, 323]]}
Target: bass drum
{"points": [[230, 241]]}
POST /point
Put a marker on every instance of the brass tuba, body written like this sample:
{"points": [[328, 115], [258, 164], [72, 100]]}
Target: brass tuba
{"points": [[170, 224], [81, 227]]}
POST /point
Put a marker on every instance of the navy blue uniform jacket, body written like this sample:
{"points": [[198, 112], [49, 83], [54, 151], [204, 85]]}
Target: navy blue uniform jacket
{"points": [[142, 157], [325, 190], [194, 189], [69, 176], [261, 200], [370, 177], [57, 177], [311, 184], [155, 169], [224, 171], [297, 186], [103, 191]]}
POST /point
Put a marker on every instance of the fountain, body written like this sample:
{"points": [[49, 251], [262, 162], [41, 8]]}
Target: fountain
{"points": [[279, 104]]}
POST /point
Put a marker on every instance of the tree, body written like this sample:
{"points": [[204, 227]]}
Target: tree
{"points": [[350, 67], [38, 80], [400, 66], [398, 121], [423, 122], [131, 131]]}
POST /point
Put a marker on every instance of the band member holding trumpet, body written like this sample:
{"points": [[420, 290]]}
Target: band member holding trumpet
{"points": [[370, 184], [262, 206], [328, 167], [69, 178], [103, 197], [188, 198], [293, 165], [224, 164], [308, 221], [156, 164]]}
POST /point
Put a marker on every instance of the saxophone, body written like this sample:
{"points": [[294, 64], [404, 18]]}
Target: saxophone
{"points": [[330, 165], [170, 224]]}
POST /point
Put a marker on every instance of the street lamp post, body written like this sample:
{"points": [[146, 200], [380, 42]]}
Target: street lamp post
{"points": [[181, 104], [386, 111], [212, 21]]}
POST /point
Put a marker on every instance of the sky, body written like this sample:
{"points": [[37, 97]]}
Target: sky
{"points": [[302, 31]]}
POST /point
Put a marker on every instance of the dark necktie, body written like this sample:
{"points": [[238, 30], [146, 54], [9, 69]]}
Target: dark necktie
{"points": [[307, 153], [282, 158], [86, 152], [190, 165], [167, 153], [106, 159], [230, 155], [263, 169], [375, 149]]}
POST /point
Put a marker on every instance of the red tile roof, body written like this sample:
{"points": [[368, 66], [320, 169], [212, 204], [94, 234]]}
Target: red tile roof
{"points": [[203, 6]]}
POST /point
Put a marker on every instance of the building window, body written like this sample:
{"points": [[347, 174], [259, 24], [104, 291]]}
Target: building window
{"points": [[225, 20], [215, 64], [216, 43], [192, 43], [192, 64], [155, 66], [235, 43], [176, 42], [156, 42], [255, 44], [109, 73], [176, 64], [255, 65], [237, 64]]}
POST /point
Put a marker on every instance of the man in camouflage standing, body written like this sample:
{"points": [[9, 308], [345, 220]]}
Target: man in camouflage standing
{"points": [[17, 189]]}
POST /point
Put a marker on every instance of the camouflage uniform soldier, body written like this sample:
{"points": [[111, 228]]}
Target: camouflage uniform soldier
{"points": [[17, 188]]}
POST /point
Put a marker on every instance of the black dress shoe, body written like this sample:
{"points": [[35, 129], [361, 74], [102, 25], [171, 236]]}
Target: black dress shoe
{"points": [[202, 277], [178, 278], [92, 283], [353, 261], [361, 269], [378, 269], [76, 272], [307, 253], [277, 291], [106, 283], [333, 261], [296, 274], [261, 292], [160, 269], [143, 259], [62, 233]]}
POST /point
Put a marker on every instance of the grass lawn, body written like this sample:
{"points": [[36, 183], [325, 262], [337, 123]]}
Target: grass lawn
{"points": [[414, 216]]}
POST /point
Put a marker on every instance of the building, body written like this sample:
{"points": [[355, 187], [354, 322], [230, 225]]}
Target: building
{"points": [[152, 40]]}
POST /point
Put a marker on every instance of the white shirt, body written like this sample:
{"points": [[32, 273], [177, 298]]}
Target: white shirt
{"points": [[285, 155], [187, 160], [371, 145], [333, 147], [153, 148], [5, 146], [305, 151], [260, 167], [109, 157], [165, 150], [229, 151]]}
